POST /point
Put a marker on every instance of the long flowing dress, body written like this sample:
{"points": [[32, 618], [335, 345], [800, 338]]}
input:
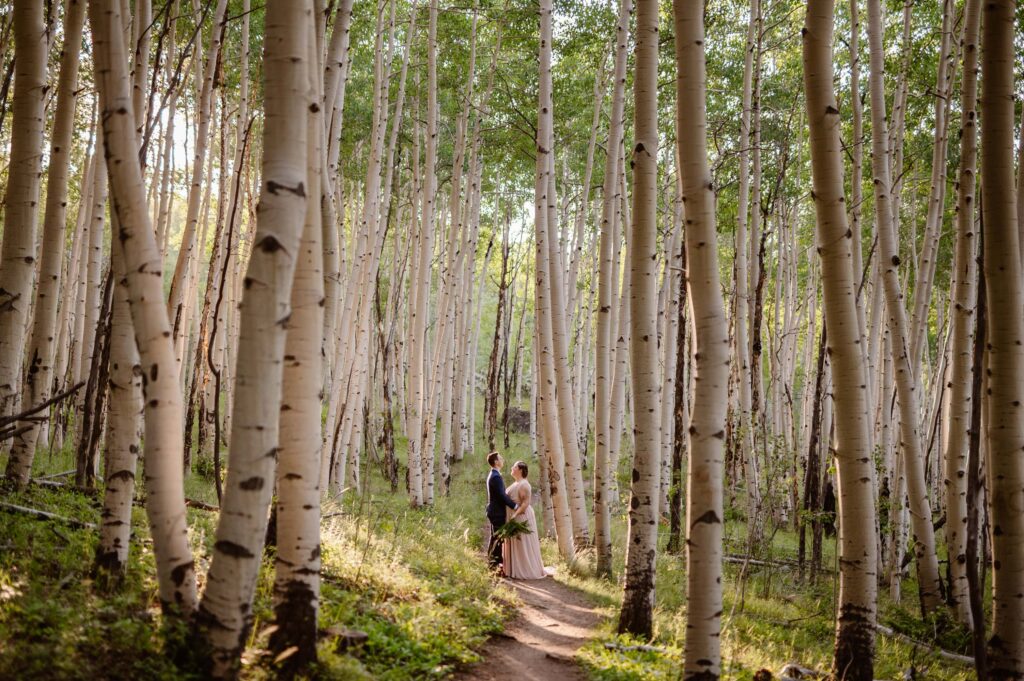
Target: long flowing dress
{"points": [[521, 554]]}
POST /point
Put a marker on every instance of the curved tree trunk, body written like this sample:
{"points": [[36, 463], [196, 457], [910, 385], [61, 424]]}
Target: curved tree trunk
{"points": [[704, 512], [855, 625], [165, 497]]}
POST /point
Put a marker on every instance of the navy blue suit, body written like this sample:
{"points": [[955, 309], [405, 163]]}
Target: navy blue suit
{"points": [[497, 501]]}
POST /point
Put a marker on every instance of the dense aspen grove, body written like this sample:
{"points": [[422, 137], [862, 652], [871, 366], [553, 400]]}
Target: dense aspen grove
{"points": [[741, 282]]}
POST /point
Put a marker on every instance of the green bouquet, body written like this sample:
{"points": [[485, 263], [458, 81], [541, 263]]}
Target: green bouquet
{"points": [[512, 529]]}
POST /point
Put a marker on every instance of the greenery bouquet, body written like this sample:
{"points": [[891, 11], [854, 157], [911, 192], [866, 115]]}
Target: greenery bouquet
{"points": [[512, 529]]}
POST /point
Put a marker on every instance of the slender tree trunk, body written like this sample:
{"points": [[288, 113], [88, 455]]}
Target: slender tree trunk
{"points": [[637, 614], [704, 513], [741, 352], [604, 434], [136, 243], [548, 422], [1004, 338], [929, 586], [18, 257], [418, 413], [226, 609], [560, 345], [39, 373], [122, 446], [176, 304], [964, 304], [681, 406], [854, 650], [297, 580]]}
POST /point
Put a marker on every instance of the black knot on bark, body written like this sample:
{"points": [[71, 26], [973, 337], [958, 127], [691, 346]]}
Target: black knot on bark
{"points": [[269, 244]]}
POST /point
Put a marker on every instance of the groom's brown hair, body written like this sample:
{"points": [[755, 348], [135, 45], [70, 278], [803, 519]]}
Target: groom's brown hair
{"points": [[491, 458]]}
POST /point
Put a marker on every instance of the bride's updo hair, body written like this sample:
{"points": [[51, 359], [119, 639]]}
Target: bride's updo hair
{"points": [[521, 465]]}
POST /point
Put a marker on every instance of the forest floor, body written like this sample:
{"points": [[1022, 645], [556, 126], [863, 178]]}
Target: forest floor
{"points": [[552, 622], [416, 583]]}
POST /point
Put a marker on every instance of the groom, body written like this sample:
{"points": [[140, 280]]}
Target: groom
{"points": [[497, 500]]}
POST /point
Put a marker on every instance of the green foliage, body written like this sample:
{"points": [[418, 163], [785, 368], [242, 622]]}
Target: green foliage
{"points": [[512, 529], [413, 581]]}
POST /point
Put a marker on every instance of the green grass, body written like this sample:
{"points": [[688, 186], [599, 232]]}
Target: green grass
{"points": [[415, 582]]}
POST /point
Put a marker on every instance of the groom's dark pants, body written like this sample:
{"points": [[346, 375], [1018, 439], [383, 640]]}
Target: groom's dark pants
{"points": [[494, 547]]}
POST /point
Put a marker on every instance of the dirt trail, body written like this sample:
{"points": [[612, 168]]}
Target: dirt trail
{"points": [[538, 645]]}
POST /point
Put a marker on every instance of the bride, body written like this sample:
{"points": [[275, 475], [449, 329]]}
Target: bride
{"points": [[521, 554]]}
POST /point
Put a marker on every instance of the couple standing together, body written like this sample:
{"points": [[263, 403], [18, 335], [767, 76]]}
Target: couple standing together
{"points": [[519, 556]]}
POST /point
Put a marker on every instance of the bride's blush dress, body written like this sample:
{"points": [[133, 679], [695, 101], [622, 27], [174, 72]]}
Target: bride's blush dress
{"points": [[521, 554]]}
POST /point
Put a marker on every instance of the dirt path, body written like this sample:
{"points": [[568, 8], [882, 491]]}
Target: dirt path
{"points": [[538, 645]]}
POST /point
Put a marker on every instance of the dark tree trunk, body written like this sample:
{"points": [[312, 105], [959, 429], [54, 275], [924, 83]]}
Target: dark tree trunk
{"points": [[812, 469]]}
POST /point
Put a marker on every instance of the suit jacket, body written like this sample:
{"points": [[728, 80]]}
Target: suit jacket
{"points": [[497, 499]]}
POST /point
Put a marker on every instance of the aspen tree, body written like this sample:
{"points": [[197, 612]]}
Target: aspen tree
{"points": [[906, 383], [637, 614], [856, 201], [92, 278], [176, 304], [964, 297], [704, 513], [421, 478], [854, 650], [621, 325], [604, 434], [39, 373], [1004, 373], [125, 383], [18, 254], [165, 499], [297, 578], [421, 290], [669, 328], [936, 197], [548, 423], [122, 444], [64, 349], [560, 345], [335, 67], [225, 613], [142, 29], [165, 195], [741, 356]]}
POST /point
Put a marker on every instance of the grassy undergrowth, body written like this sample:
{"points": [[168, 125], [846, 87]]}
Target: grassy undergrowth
{"points": [[415, 583], [770, 617]]}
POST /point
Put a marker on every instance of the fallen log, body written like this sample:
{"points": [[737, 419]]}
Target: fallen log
{"points": [[637, 648], [921, 645], [46, 515]]}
